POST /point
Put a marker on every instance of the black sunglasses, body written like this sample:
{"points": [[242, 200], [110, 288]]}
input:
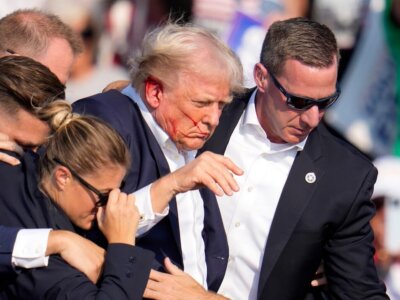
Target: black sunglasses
{"points": [[103, 197], [304, 103]]}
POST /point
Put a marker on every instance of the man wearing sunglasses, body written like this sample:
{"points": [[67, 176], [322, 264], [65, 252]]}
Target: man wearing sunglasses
{"points": [[305, 194]]}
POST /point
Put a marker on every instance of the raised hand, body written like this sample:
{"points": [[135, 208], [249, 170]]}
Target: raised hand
{"points": [[119, 219], [177, 285], [209, 170]]}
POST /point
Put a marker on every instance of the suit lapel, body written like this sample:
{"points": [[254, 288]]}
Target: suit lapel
{"points": [[163, 169], [294, 199]]}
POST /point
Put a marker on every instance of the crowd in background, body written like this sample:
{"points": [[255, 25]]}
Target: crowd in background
{"points": [[368, 34]]}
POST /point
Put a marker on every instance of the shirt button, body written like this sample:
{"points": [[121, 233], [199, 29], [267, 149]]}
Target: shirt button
{"points": [[250, 189], [237, 224], [129, 274]]}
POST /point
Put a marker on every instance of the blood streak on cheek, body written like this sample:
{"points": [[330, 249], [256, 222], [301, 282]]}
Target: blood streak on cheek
{"points": [[196, 124]]}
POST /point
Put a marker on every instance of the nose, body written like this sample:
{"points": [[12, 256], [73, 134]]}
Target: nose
{"points": [[212, 117], [312, 116]]}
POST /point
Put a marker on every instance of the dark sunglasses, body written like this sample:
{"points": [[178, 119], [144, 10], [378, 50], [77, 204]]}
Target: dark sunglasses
{"points": [[304, 103], [103, 197]]}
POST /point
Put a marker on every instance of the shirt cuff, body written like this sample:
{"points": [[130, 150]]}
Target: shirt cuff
{"points": [[30, 248], [148, 218]]}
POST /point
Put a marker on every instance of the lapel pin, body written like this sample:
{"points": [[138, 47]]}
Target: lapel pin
{"points": [[310, 177]]}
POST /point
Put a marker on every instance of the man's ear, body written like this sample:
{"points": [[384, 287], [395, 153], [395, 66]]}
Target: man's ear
{"points": [[61, 176], [259, 74], [153, 92]]}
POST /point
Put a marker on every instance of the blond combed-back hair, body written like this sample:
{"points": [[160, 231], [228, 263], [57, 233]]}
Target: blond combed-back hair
{"points": [[172, 49]]}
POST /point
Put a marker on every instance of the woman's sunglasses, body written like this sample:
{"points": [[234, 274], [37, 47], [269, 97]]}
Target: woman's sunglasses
{"points": [[103, 197]]}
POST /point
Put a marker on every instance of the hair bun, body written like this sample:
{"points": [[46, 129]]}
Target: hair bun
{"points": [[57, 114]]}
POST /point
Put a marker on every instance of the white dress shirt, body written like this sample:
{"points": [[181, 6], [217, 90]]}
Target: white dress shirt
{"points": [[189, 204], [148, 218], [248, 214], [30, 248]]}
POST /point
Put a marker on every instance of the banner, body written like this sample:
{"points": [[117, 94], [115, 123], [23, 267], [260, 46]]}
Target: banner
{"points": [[366, 111]]}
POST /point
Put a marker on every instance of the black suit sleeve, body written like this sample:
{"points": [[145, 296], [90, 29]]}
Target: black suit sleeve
{"points": [[349, 264], [7, 240], [125, 275]]}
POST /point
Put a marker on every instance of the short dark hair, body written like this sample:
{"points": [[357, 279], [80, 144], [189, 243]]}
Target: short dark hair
{"points": [[306, 41], [27, 84], [28, 32]]}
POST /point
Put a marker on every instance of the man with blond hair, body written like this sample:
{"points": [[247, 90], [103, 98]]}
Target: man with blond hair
{"points": [[168, 112]]}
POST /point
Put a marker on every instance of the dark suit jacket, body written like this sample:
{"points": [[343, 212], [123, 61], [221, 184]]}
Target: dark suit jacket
{"points": [[149, 164], [126, 268], [7, 240], [327, 219]]}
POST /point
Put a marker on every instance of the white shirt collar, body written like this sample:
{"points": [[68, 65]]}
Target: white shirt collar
{"points": [[250, 119]]}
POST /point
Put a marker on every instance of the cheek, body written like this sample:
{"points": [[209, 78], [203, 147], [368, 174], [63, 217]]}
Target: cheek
{"points": [[291, 117], [84, 212], [83, 204], [182, 122], [284, 119]]}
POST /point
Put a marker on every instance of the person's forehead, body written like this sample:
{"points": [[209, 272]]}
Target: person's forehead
{"points": [[301, 79], [207, 87]]}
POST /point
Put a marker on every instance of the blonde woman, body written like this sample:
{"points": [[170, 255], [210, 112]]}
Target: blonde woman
{"points": [[80, 174]]}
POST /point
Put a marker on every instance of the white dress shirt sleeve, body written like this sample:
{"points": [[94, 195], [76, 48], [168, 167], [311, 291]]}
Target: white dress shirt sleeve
{"points": [[30, 248], [148, 218]]}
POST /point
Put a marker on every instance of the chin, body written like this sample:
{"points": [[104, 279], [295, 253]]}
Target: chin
{"points": [[294, 139], [85, 225], [194, 145]]}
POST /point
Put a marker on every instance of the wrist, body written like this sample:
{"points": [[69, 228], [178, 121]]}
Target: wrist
{"points": [[162, 191], [55, 242]]}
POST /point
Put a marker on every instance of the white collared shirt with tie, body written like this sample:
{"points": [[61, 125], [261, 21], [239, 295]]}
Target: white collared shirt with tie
{"points": [[248, 214]]}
